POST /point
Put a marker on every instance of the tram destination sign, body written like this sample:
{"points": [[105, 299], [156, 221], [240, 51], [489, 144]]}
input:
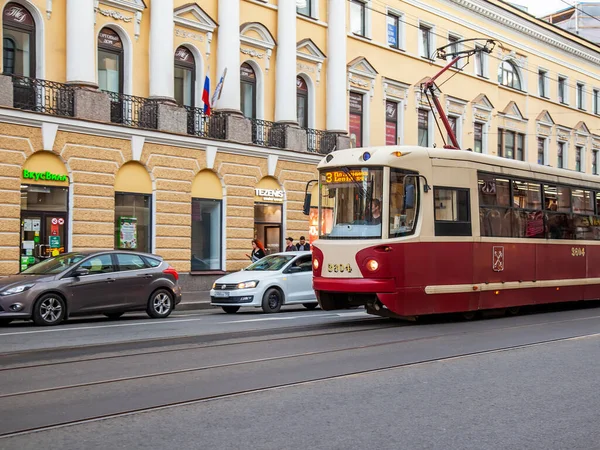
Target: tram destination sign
{"points": [[45, 176], [351, 176]]}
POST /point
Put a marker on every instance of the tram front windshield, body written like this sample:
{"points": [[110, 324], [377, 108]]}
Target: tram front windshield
{"points": [[351, 203]]}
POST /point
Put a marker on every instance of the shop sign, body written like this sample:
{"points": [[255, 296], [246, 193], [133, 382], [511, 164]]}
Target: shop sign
{"points": [[17, 14], [269, 195], [54, 241], [46, 176], [109, 38], [128, 232]]}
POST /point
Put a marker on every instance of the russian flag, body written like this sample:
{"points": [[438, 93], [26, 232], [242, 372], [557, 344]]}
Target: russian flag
{"points": [[206, 96]]}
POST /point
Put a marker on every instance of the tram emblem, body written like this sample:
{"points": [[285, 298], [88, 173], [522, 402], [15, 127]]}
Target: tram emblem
{"points": [[498, 259]]}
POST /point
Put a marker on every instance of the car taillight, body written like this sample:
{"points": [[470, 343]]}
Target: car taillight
{"points": [[171, 271]]}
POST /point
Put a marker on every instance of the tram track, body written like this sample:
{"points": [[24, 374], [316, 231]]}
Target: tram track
{"points": [[284, 385]]}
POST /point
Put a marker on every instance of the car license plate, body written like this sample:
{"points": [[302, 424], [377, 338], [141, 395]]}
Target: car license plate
{"points": [[221, 294]]}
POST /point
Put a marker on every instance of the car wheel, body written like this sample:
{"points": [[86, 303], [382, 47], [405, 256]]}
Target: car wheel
{"points": [[160, 304], [230, 309], [114, 316], [272, 301], [310, 306], [4, 322], [49, 310]]}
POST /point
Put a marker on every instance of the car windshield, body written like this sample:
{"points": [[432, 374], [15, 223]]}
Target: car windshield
{"points": [[351, 203], [272, 262], [55, 265]]}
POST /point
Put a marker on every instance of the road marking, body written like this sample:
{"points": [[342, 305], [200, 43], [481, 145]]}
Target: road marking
{"points": [[264, 319]]}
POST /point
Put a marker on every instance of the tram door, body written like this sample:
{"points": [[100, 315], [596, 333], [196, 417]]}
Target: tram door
{"points": [[43, 235]]}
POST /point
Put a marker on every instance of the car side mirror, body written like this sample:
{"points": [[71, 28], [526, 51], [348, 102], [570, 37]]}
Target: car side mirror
{"points": [[295, 269], [81, 272], [306, 206]]}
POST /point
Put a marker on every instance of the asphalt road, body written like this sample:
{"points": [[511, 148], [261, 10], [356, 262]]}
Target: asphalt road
{"points": [[302, 380]]}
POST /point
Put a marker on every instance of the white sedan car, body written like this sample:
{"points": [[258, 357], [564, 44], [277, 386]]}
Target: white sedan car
{"points": [[275, 280]]}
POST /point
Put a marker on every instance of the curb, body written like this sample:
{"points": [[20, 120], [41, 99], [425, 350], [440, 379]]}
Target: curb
{"points": [[192, 306]]}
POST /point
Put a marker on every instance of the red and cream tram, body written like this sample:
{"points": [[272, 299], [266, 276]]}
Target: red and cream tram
{"points": [[411, 231]]}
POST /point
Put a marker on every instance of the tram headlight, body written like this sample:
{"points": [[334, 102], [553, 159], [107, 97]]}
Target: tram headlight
{"points": [[316, 264], [372, 265]]}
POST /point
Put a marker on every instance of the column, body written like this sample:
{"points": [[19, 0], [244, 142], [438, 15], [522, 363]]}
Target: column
{"points": [[81, 43], [337, 110], [162, 69], [285, 68], [228, 54]]}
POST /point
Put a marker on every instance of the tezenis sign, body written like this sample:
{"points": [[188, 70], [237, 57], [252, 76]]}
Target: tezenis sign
{"points": [[46, 176]]}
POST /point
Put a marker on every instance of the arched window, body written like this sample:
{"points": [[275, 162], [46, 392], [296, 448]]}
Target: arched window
{"points": [[185, 76], [19, 41], [302, 102], [248, 91], [110, 61], [508, 75]]}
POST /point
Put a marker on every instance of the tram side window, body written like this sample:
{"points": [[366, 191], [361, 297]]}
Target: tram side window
{"points": [[584, 222], [526, 217], [452, 213], [559, 220], [494, 202]]}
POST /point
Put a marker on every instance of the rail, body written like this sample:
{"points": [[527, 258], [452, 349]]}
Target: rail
{"points": [[319, 141], [268, 134], [210, 126], [43, 96], [133, 111]]}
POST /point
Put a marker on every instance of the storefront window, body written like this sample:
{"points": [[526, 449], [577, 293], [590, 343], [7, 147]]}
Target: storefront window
{"points": [[267, 226], [132, 221], [356, 119], [206, 234], [185, 76], [391, 123]]}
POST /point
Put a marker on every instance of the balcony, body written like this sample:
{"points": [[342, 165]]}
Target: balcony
{"points": [[268, 134], [319, 141], [199, 124], [42, 96], [132, 111]]}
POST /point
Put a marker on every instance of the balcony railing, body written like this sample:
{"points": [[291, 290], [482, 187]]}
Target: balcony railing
{"points": [[48, 97], [268, 134], [199, 124], [319, 141], [133, 111]]}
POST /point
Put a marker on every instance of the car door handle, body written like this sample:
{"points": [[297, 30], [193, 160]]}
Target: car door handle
{"points": [[110, 280], [146, 275]]}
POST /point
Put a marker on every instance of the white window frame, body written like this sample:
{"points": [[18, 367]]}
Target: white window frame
{"points": [[582, 165], [314, 9], [582, 105], [459, 128], [367, 9], [401, 28], [459, 46], [484, 64], [595, 152], [366, 114], [484, 136], [565, 155], [565, 101], [596, 101], [546, 156], [430, 126], [431, 39], [546, 83]]}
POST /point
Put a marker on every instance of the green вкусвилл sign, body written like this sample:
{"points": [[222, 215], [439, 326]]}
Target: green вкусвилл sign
{"points": [[47, 176]]}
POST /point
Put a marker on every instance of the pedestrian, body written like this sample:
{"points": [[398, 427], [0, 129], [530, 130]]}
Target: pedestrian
{"points": [[303, 245], [290, 247], [258, 251]]}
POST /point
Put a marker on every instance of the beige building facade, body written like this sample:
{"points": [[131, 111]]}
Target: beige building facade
{"points": [[106, 141]]}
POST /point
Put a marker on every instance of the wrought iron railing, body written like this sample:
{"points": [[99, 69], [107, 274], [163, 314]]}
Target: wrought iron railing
{"points": [[319, 141], [210, 126], [268, 134], [133, 111], [48, 97]]}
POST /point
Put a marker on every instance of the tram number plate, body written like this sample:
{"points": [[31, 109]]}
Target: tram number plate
{"points": [[339, 268], [575, 251]]}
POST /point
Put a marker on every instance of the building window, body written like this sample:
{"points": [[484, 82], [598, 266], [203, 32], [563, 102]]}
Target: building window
{"points": [[578, 153], [132, 221], [304, 7], [248, 91], [580, 96], [511, 144], [19, 41], [357, 17], [560, 155], [453, 120], [542, 79], [185, 77], [302, 102], [594, 162], [393, 30], [541, 159], [478, 132], [596, 100], [425, 34], [454, 47], [480, 62], [391, 123], [206, 234], [356, 119], [110, 61], [423, 136], [508, 75], [562, 90]]}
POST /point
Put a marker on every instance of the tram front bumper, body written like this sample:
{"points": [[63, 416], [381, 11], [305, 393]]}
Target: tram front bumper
{"points": [[344, 293]]}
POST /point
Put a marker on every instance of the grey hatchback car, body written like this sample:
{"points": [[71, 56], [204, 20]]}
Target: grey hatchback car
{"points": [[109, 282]]}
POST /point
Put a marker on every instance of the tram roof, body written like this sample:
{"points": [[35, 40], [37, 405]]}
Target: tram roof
{"points": [[388, 156]]}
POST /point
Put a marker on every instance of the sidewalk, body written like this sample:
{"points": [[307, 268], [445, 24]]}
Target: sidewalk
{"points": [[194, 300]]}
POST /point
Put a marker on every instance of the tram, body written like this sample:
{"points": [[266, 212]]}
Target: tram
{"points": [[413, 231]]}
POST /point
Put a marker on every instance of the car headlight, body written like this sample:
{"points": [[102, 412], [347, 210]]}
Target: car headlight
{"points": [[214, 285], [247, 284], [17, 289]]}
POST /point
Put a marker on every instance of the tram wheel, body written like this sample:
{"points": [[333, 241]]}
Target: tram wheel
{"points": [[469, 315], [513, 311]]}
